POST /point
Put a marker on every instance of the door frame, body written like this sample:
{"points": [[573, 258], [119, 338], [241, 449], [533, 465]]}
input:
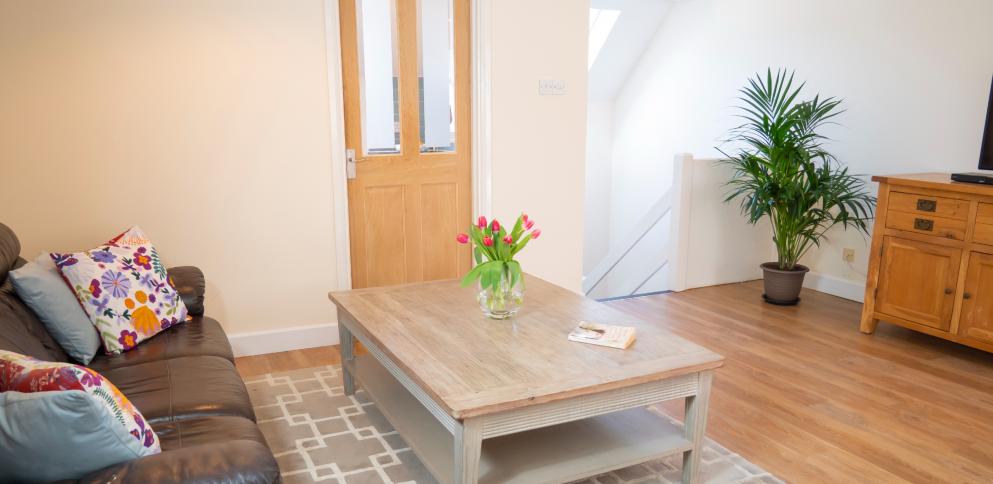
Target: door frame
{"points": [[480, 34]]}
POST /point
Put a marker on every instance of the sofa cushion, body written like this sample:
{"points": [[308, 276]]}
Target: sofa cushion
{"points": [[41, 287], [184, 388], [126, 291], [51, 408], [36, 427], [207, 430], [200, 450], [198, 337], [132, 237], [236, 461]]}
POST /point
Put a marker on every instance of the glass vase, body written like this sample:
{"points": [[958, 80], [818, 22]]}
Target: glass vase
{"points": [[503, 301]]}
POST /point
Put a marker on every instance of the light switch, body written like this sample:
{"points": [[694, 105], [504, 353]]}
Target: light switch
{"points": [[551, 87]]}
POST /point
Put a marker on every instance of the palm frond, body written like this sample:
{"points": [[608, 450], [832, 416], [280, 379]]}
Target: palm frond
{"points": [[781, 170]]}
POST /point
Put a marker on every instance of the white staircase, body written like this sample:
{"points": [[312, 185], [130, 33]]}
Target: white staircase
{"points": [[637, 264], [688, 238]]}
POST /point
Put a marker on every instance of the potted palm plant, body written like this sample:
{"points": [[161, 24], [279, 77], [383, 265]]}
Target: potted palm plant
{"points": [[781, 171]]}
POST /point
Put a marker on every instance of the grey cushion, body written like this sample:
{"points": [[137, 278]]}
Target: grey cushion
{"points": [[49, 436], [40, 286]]}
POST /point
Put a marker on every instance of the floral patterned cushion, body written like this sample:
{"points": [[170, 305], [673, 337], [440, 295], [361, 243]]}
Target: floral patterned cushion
{"points": [[133, 237], [20, 373], [124, 289]]}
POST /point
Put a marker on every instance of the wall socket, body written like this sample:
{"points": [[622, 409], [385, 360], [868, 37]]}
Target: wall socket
{"points": [[848, 255]]}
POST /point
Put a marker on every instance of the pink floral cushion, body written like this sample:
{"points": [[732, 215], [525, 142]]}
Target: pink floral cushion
{"points": [[20, 373], [133, 237], [124, 289]]}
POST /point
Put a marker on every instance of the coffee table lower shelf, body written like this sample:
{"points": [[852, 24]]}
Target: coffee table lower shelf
{"points": [[558, 453]]}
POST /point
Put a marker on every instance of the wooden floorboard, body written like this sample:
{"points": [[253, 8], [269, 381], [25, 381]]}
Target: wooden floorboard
{"points": [[250, 366], [806, 396]]}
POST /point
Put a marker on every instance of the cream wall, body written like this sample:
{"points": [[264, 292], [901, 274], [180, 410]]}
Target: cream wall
{"points": [[914, 76], [206, 122], [539, 141]]}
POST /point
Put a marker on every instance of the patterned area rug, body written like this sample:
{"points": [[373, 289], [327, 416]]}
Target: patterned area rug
{"points": [[320, 435]]}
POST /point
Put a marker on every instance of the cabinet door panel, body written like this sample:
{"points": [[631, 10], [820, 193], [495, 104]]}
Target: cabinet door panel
{"points": [[977, 307], [917, 281]]}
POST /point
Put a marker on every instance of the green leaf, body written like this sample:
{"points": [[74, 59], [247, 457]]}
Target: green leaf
{"points": [[503, 249], [515, 272], [518, 228], [473, 275], [521, 245]]}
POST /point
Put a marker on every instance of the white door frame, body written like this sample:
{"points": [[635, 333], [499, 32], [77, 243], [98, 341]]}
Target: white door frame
{"points": [[480, 32]]}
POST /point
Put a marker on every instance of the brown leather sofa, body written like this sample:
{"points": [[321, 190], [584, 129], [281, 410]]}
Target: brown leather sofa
{"points": [[183, 381]]}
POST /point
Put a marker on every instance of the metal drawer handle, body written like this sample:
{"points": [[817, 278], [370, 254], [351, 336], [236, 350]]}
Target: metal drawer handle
{"points": [[923, 224], [925, 205]]}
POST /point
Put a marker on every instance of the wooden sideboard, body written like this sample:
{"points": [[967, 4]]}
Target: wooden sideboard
{"points": [[931, 261]]}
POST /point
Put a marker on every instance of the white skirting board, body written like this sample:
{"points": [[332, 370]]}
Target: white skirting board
{"points": [[286, 339], [836, 286]]}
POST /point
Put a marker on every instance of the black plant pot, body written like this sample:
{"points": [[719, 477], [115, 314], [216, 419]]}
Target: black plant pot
{"points": [[782, 287]]}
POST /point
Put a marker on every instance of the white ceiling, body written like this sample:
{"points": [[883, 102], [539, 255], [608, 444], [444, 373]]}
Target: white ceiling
{"points": [[620, 52]]}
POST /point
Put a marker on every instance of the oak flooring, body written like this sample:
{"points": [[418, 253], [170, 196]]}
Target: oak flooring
{"points": [[806, 396], [250, 366]]}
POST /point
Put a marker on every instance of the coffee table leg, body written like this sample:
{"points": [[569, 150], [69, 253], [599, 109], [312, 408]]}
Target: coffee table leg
{"points": [[696, 425], [347, 342], [468, 446]]}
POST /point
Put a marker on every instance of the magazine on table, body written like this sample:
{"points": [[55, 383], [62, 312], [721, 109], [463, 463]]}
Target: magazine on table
{"points": [[612, 336]]}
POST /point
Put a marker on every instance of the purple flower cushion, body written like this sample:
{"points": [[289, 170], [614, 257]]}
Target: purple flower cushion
{"points": [[124, 290]]}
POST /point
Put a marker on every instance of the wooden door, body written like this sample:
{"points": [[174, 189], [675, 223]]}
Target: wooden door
{"points": [[917, 281], [977, 299], [405, 67]]}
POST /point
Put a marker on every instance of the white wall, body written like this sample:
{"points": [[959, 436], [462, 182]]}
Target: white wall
{"points": [[598, 168], [205, 122], [539, 141], [914, 75], [712, 243]]}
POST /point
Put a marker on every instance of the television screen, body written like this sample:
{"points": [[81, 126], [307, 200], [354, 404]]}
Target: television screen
{"points": [[986, 153]]}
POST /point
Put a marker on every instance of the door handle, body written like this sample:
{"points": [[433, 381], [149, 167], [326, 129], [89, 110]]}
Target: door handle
{"points": [[926, 205], [948, 290], [350, 163], [923, 224], [966, 296]]}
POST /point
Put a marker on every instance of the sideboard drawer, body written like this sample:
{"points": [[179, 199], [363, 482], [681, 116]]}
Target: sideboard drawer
{"points": [[984, 224], [926, 224], [929, 205], [952, 208]]}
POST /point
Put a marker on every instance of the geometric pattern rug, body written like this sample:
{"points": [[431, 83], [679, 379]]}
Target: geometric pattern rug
{"points": [[319, 434]]}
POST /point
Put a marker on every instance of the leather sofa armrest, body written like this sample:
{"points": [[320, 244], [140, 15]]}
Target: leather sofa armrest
{"points": [[191, 286], [238, 461]]}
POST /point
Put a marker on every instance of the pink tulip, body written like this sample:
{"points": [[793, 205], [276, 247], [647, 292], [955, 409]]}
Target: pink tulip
{"points": [[495, 226], [524, 217], [508, 240], [462, 238], [488, 241], [536, 233], [481, 222], [528, 224]]}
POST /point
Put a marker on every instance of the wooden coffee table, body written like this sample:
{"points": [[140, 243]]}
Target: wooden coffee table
{"points": [[480, 400]]}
